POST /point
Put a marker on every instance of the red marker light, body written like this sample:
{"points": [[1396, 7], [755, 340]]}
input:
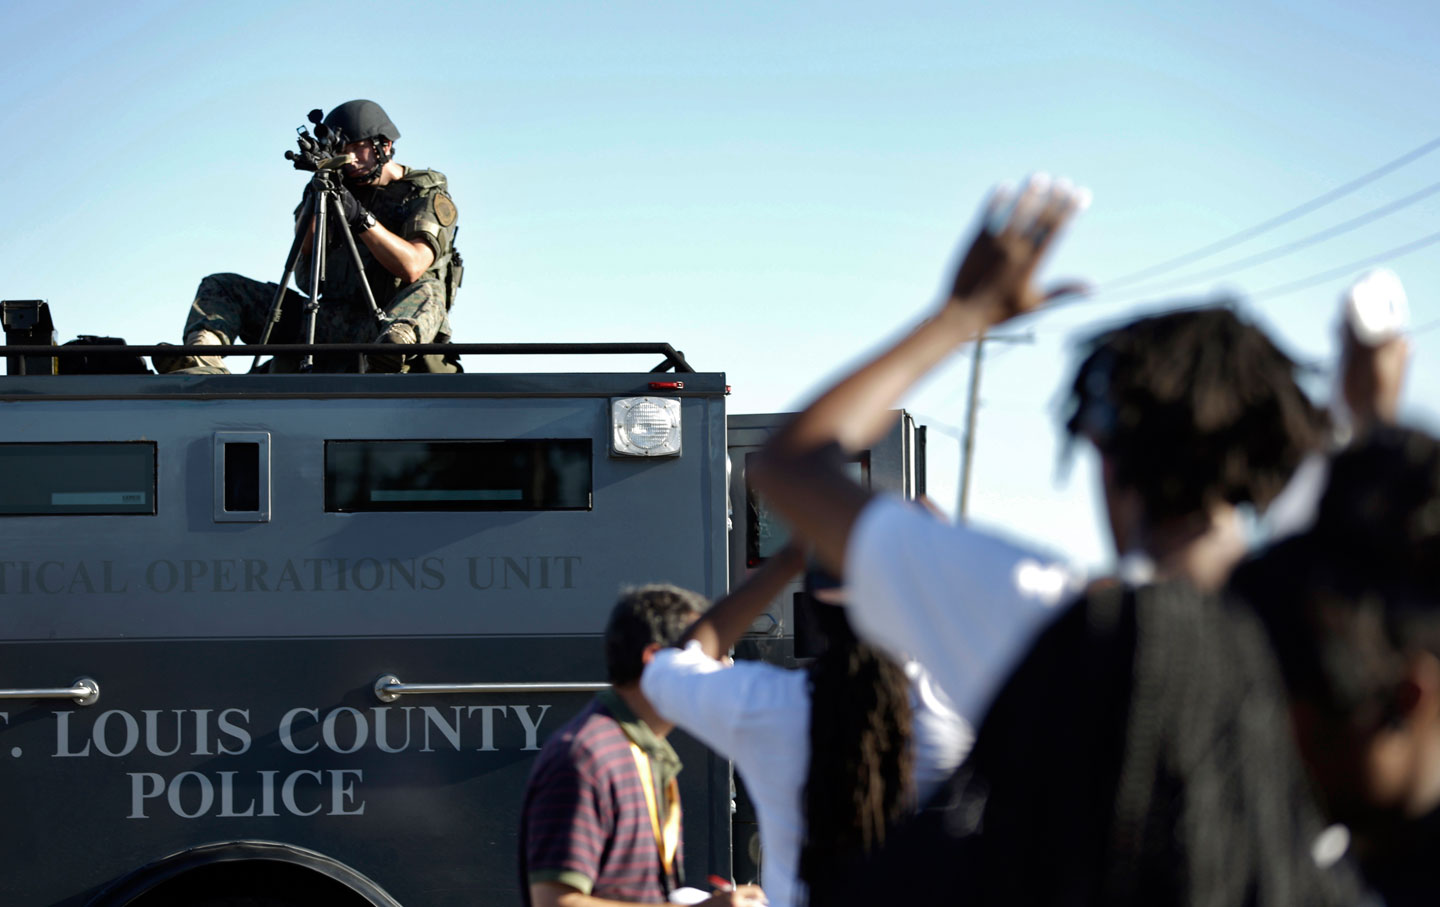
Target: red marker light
{"points": [[667, 385]]}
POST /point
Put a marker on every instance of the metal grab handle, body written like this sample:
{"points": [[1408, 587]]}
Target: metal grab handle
{"points": [[84, 691], [389, 688]]}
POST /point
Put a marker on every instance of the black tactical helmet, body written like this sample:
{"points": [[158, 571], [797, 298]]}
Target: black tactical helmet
{"points": [[360, 120]]}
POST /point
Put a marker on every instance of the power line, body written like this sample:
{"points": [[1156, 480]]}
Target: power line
{"points": [[1281, 251], [1350, 268], [1425, 328], [1293, 286], [1283, 218]]}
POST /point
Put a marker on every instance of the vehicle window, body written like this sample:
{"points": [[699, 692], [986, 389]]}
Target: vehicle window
{"points": [[52, 479], [552, 474], [765, 532]]}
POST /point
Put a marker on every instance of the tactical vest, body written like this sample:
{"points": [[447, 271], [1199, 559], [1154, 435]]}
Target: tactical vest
{"points": [[392, 206]]}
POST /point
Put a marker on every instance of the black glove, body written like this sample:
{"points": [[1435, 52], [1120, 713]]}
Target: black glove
{"points": [[300, 209], [356, 215]]}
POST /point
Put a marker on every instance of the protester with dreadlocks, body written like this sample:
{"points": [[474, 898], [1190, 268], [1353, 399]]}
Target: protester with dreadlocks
{"points": [[1179, 784], [1194, 413], [1143, 718], [1353, 611], [834, 755]]}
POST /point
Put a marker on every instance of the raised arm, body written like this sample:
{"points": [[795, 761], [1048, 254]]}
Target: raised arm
{"points": [[799, 472], [1374, 377], [1374, 352], [720, 627]]}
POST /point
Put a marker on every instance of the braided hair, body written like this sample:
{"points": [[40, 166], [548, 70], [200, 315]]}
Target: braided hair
{"points": [[859, 782]]}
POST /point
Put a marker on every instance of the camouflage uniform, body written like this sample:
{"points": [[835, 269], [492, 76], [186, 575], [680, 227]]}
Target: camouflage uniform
{"points": [[414, 207]]}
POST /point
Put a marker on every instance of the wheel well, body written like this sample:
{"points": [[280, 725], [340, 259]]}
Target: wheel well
{"points": [[244, 874]]}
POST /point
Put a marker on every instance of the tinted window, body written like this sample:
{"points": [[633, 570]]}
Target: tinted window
{"points": [[765, 532], [62, 479], [458, 475], [242, 476]]}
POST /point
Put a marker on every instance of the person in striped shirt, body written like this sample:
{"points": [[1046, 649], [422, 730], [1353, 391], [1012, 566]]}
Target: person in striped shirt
{"points": [[600, 823]]}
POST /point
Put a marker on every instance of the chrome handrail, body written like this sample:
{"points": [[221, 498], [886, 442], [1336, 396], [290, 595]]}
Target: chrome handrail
{"points": [[84, 691], [389, 688]]}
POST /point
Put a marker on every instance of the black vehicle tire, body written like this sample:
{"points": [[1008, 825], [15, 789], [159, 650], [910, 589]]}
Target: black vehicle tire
{"points": [[250, 884], [244, 874]]}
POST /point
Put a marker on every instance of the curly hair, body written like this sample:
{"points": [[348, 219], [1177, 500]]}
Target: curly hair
{"points": [[1194, 408], [643, 616], [859, 783]]}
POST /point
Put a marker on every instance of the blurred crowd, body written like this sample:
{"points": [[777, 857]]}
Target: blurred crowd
{"points": [[1215, 720]]}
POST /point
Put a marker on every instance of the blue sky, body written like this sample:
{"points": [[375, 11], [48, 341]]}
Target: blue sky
{"points": [[774, 188]]}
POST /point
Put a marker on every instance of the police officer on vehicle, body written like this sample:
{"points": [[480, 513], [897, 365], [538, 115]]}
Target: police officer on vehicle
{"points": [[404, 221]]}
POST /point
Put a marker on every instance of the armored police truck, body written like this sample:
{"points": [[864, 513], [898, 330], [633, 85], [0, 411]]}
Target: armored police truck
{"points": [[298, 637]]}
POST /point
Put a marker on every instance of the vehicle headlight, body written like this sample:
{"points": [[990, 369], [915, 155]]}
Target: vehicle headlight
{"points": [[645, 427]]}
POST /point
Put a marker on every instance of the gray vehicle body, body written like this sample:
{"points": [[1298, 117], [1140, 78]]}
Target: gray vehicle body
{"points": [[237, 649]]}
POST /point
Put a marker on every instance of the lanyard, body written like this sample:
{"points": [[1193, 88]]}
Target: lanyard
{"points": [[667, 837]]}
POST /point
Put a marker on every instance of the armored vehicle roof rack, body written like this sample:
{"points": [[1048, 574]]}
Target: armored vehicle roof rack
{"points": [[19, 356], [30, 347]]}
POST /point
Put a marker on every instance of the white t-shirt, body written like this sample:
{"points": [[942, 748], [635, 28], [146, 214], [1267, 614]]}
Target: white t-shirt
{"points": [[758, 715], [963, 603]]}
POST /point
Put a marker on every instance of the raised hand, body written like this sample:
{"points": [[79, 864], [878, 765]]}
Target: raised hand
{"points": [[1016, 231]]}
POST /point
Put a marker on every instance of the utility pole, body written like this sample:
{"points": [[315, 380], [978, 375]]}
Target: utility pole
{"points": [[967, 452]]}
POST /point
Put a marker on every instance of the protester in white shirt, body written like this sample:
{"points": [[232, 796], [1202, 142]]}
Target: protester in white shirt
{"points": [[1195, 414], [832, 756], [963, 603]]}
